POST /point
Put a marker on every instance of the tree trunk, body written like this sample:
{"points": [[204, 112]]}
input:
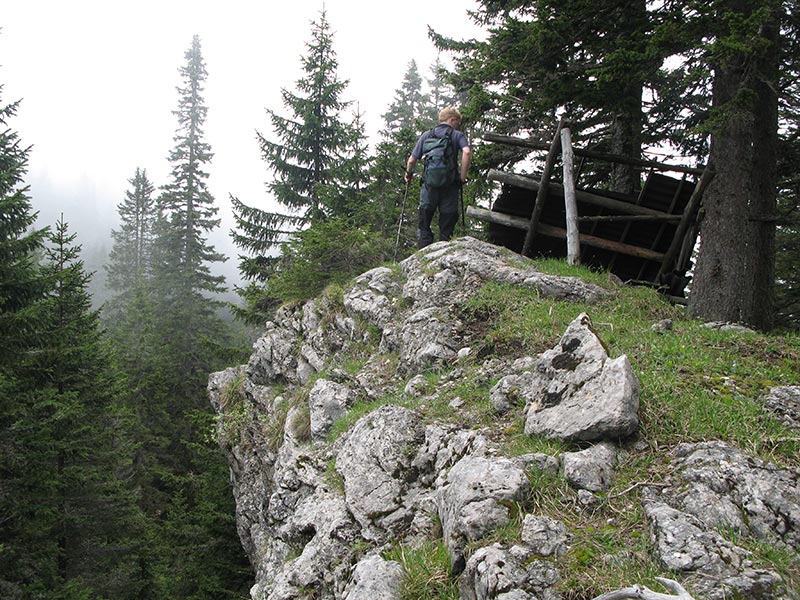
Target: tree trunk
{"points": [[626, 128], [735, 268]]}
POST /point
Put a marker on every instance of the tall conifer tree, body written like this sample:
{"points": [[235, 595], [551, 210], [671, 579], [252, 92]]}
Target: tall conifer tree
{"points": [[198, 554], [68, 518], [130, 258], [83, 511], [21, 288], [319, 164], [183, 256]]}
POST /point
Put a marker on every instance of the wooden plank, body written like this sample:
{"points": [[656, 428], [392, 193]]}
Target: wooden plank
{"points": [[632, 218], [541, 193], [570, 205], [535, 145], [525, 182], [558, 232]]}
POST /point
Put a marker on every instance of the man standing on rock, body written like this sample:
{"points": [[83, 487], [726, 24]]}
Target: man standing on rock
{"points": [[441, 177]]}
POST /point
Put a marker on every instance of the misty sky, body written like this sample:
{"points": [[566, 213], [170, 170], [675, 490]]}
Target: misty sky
{"points": [[97, 81]]}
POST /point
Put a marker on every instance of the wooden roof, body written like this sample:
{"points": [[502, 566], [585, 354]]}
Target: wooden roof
{"points": [[645, 239]]}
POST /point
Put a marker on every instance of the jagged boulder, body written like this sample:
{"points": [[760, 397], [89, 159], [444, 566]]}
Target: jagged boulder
{"points": [[327, 401], [577, 392], [376, 464], [784, 402], [717, 487], [713, 567], [475, 499], [725, 488], [591, 469], [499, 573], [376, 579], [374, 296], [274, 356]]}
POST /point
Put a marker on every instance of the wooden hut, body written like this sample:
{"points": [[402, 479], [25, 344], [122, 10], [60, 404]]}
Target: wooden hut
{"points": [[644, 239]]}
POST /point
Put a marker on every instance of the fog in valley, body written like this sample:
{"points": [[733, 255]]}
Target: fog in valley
{"points": [[97, 84]]}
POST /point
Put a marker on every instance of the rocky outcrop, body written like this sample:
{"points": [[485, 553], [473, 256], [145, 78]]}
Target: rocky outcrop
{"points": [[319, 504]]}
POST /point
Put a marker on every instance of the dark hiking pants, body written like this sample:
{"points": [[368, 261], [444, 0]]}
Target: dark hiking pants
{"points": [[446, 201]]}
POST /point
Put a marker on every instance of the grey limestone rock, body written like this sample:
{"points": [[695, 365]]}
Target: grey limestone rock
{"points": [[784, 402], [375, 463], [591, 469], [578, 393], [406, 475], [715, 487], [327, 401], [545, 536], [376, 579], [498, 572], [474, 500]]}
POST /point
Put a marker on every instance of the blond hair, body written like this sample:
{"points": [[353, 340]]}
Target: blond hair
{"points": [[448, 113]]}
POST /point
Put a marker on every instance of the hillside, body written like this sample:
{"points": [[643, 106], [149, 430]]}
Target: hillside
{"points": [[474, 424]]}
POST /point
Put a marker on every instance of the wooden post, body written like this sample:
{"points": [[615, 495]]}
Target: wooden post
{"points": [[570, 205], [687, 220], [541, 194]]}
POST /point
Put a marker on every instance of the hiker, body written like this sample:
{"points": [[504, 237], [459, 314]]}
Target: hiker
{"points": [[441, 178]]}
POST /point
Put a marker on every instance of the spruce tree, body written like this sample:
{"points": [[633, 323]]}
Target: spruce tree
{"points": [[408, 104], [129, 314], [197, 554], [186, 214], [21, 288], [20, 281], [588, 60], [319, 160], [78, 450], [308, 152], [735, 272], [130, 258], [70, 518]]}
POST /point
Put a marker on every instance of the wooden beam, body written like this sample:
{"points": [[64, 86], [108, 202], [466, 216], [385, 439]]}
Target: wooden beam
{"points": [[541, 193], [646, 164], [687, 220], [558, 232], [529, 183], [630, 218]]}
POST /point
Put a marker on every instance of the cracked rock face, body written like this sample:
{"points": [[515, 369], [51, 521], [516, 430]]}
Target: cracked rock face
{"points": [[476, 498], [717, 487], [376, 464], [316, 516]]}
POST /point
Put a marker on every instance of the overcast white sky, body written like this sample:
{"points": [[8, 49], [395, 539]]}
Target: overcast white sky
{"points": [[97, 81]]}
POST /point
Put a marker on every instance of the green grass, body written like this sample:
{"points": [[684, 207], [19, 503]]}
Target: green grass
{"points": [[427, 571], [233, 417]]}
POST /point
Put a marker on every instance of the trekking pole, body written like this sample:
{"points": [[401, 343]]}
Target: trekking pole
{"points": [[400, 223], [463, 213]]}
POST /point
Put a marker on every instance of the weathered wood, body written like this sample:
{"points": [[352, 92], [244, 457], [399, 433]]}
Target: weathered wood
{"points": [[525, 182], [570, 206], [647, 164], [688, 218], [641, 592], [558, 232], [541, 194], [632, 218]]}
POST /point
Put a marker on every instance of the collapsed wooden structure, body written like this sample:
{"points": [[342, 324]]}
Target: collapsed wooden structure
{"points": [[643, 239]]}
